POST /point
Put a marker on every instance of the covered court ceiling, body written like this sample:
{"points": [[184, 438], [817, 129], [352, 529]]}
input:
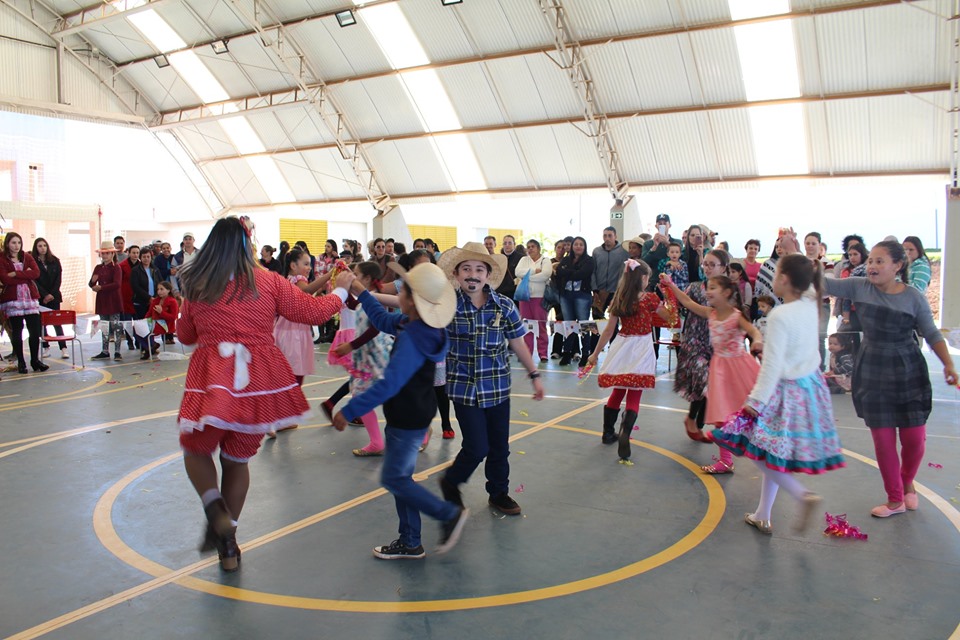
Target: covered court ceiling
{"points": [[417, 99]]}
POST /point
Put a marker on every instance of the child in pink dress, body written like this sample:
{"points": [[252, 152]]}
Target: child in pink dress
{"points": [[238, 387], [733, 371]]}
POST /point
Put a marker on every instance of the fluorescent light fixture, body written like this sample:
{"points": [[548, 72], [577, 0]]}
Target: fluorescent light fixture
{"points": [[162, 61], [219, 47], [157, 31], [447, 3], [395, 37], [198, 76], [345, 18], [431, 100]]}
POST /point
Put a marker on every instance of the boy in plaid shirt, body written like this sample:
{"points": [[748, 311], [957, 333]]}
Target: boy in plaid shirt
{"points": [[478, 375]]}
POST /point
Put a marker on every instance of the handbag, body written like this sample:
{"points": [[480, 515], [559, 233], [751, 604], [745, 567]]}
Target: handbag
{"points": [[522, 293]]}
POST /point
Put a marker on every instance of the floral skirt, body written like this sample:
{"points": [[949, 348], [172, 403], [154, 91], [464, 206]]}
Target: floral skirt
{"points": [[795, 430]]}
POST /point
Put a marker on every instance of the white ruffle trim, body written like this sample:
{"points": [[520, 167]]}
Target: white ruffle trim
{"points": [[187, 426], [248, 394]]}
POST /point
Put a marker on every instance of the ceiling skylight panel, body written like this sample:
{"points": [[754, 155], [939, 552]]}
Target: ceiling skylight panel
{"points": [[242, 135], [431, 100], [270, 178], [768, 60], [779, 139], [394, 35], [457, 155], [196, 74], [157, 31]]}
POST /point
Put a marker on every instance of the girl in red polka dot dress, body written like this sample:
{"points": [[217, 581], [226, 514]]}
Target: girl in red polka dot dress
{"points": [[239, 386], [630, 366]]}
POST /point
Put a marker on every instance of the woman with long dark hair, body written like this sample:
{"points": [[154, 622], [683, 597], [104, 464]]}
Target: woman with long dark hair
{"points": [[48, 284], [573, 277], [20, 300]]}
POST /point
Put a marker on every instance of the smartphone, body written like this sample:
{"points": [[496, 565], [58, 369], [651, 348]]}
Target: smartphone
{"points": [[662, 229]]}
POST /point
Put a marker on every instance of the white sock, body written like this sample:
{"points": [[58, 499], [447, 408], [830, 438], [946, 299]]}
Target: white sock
{"points": [[210, 495], [788, 482], [768, 493]]}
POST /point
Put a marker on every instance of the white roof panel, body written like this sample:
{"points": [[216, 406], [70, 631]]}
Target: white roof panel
{"points": [[304, 126], [205, 140], [678, 142], [120, 41], [533, 88], [234, 183], [843, 52], [499, 158], [439, 29], [299, 177], [902, 47], [714, 55], [246, 61], [471, 94], [730, 139], [579, 155], [408, 166], [339, 52], [333, 174], [164, 87], [637, 158], [219, 16], [505, 25], [377, 107], [591, 19]]}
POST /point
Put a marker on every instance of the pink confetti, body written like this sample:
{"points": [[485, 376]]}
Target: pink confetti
{"points": [[839, 527], [934, 465], [636, 428], [112, 382], [584, 372], [519, 489]]}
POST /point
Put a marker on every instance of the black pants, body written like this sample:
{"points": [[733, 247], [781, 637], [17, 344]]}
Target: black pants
{"points": [[140, 312], [16, 336], [56, 328]]}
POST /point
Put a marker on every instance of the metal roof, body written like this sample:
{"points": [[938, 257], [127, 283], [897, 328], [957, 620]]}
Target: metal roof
{"points": [[665, 76]]}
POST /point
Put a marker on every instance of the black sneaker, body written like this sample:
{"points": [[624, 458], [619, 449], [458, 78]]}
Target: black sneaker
{"points": [[144, 354], [103, 355], [505, 504], [451, 493], [450, 531], [396, 550], [117, 356]]}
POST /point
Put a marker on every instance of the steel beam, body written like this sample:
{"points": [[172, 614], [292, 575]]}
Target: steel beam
{"points": [[278, 40], [214, 112], [101, 14]]}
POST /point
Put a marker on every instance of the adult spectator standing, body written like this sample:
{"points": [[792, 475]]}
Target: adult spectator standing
{"points": [[418, 244], [540, 270], [574, 277], [693, 252], [608, 261], [635, 247], [508, 287], [119, 243], [181, 259], [267, 260], [162, 257], [813, 247], [655, 249], [919, 272], [106, 281], [126, 292], [381, 258], [767, 272], [490, 244], [560, 249], [48, 284], [20, 300], [144, 279]]}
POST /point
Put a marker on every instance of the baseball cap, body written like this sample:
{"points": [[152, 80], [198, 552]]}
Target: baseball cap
{"points": [[189, 234], [662, 217]]}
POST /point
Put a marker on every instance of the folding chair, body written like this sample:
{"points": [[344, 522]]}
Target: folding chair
{"points": [[59, 319]]}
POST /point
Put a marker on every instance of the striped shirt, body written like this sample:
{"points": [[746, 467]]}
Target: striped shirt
{"points": [[477, 371]]}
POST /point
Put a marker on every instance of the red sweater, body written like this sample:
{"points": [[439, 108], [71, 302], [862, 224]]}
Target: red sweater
{"points": [[169, 314], [126, 291], [109, 277], [30, 273]]}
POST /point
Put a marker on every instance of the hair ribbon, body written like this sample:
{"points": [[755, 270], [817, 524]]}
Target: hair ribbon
{"points": [[631, 264]]}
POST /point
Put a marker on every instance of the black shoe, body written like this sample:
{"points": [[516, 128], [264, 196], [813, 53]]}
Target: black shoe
{"points": [[39, 366], [168, 339], [319, 340], [609, 421], [144, 354], [221, 534], [451, 493], [450, 531], [103, 355], [130, 345], [626, 430], [117, 356], [504, 504], [154, 348], [565, 360], [396, 550], [21, 368]]}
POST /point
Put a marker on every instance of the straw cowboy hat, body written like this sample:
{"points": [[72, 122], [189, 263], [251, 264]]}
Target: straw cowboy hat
{"points": [[106, 247], [433, 294], [450, 258]]}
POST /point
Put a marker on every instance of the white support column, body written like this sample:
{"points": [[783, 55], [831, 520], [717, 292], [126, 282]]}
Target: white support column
{"points": [[392, 224], [950, 264]]}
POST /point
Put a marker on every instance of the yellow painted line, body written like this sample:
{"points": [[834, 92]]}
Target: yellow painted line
{"points": [[129, 387], [15, 395], [105, 377], [42, 440]]}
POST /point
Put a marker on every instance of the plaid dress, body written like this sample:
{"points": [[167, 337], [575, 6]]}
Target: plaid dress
{"points": [[891, 383]]}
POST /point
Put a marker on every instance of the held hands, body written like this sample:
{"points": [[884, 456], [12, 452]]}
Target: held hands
{"points": [[343, 349], [667, 280], [757, 347], [339, 422], [659, 239], [344, 280], [788, 240], [750, 410]]}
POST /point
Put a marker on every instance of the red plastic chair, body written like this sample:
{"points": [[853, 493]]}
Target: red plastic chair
{"points": [[59, 319]]}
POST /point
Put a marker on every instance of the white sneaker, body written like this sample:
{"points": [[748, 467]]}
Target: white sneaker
{"points": [[46, 352], [64, 354]]}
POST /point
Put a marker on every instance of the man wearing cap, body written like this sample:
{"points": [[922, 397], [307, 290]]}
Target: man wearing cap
{"points": [[427, 302], [478, 376], [655, 249], [182, 258]]}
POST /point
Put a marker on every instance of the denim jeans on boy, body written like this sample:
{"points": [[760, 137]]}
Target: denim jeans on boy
{"points": [[399, 461], [485, 435]]}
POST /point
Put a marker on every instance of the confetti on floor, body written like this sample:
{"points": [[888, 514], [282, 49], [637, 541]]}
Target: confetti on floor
{"points": [[934, 465], [522, 453], [524, 413], [519, 489]]}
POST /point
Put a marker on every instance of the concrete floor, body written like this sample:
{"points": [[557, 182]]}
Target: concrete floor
{"points": [[99, 529]]}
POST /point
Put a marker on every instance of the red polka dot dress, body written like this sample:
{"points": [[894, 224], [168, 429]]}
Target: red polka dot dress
{"points": [[238, 380], [630, 362]]}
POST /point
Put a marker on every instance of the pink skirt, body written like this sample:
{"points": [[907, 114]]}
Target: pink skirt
{"points": [[296, 342], [730, 381], [344, 335]]}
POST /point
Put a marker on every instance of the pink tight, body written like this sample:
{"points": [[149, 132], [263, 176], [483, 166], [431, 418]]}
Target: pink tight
{"points": [[633, 399], [897, 475], [372, 426]]}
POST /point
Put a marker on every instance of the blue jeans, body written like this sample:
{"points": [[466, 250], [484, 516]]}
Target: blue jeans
{"points": [[399, 461], [486, 434], [575, 305]]}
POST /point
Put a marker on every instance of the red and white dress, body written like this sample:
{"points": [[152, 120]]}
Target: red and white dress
{"points": [[238, 380], [630, 362]]}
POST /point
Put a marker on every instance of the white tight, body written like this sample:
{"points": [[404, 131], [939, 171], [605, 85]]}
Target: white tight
{"points": [[770, 482]]}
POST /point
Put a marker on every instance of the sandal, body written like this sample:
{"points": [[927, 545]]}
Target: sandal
{"points": [[363, 453], [763, 526], [717, 468], [423, 446]]}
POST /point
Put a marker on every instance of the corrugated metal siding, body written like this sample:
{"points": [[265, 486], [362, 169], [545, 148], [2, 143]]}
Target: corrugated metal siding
{"points": [[408, 166], [818, 138], [439, 29], [183, 21], [533, 88], [579, 154], [234, 182], [220, 17], [901, 49], [299, 177], [730, 129], [504, 25], [843, 52], [268, 129], [262, 66], [638, 161], [304, 126], [690, 12], [28, 71], [808, 55], [377, 107], [678, 144], [591, 19], [120, 41], [340, 52], [164, 87], [472, 95], [333, 174], [718, 62], [654, 67], [499, 159], [907, 133]]}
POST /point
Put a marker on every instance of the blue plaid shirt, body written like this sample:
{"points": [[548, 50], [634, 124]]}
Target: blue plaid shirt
{"points": [[477, 370]]}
